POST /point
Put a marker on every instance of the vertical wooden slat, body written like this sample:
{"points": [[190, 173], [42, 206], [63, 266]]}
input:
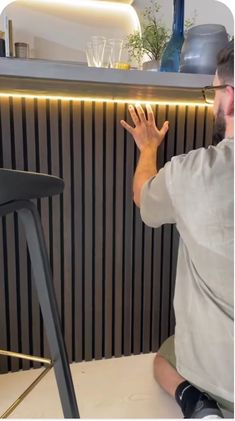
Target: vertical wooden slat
{"points": [[33, 305], [128, 243], [98, 241], [137, 287], [67, 257], [9, 162], [55, 169], [156, 290], [157, 259], [78, 334], [44, 209], [3, 306], [166, 236], [119, 231], [3, 297], [88, 225], [146, 289], [200, 127], [22, 292], [109, 229]]}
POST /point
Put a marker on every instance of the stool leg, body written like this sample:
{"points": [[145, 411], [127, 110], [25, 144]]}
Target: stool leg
{"points": [[45, 290]]}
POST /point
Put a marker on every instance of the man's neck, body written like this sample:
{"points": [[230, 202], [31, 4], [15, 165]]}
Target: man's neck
{"points": [[229, 133]]}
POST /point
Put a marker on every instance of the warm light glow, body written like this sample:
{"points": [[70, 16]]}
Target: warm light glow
{"points": [[108, 100], [86, 4]]}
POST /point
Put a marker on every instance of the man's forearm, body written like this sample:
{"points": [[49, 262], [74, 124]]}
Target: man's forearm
{"points": [[146, 168]]}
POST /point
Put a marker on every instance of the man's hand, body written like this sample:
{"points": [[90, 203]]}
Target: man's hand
{"points": [[145, 132], [147, 137]]}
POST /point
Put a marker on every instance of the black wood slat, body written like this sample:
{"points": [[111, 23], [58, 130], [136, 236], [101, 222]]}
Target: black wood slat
{"points": [[109, 229], [55, 170], [33, 305], [88, 226], [44, 204], [22, 265], [146, 289], [99, 230], [119, 232], [67, 256], [200, 127], [3, 306], [78, 334], [129, 147]]}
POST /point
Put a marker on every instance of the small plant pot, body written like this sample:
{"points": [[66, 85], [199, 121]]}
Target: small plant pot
{"points": [[152, 65]]}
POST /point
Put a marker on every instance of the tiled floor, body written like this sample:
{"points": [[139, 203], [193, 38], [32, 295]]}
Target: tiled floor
{"points": [[115, 388]]}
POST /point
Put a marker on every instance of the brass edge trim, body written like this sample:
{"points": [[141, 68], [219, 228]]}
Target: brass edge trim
{"points": [[25, 357]]}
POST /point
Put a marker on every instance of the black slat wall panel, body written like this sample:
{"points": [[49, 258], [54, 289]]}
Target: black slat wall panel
{"points": [[114, 277]]}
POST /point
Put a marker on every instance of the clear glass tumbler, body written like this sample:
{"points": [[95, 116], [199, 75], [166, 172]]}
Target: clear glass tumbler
{"points": [[98, 46], [117, 45], [107, 55]]}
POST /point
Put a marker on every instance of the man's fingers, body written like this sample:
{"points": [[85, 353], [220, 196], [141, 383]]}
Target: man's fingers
{"points": [[150, 114], [141, 113], [134, 116], [164, 128], [127, 126]]}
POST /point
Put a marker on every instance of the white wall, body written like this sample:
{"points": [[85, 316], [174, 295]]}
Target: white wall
{"points": [[208, 11], [62, 33]]}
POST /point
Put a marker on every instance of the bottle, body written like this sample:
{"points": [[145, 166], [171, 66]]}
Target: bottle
{"points": [[171, 56], [2, 45], [21, 50]]}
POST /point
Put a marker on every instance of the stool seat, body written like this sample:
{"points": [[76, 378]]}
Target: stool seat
{"points": [[21, 185]]}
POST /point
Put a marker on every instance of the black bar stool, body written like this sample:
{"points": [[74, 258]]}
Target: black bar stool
{"points": [[16, 190]]}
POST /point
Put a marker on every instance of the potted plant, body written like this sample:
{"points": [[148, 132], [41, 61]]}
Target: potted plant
{"points": [[152, 41]]}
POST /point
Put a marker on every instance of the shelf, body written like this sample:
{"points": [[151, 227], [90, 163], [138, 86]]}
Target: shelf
{"points": [[70, 79]]}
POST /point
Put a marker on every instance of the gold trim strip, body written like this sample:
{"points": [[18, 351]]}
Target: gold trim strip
{"points": [[25, 357], [25, 393]]}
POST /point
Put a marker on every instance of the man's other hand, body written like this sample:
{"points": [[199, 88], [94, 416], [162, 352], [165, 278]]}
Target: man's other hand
{"points": [[145, 132]]}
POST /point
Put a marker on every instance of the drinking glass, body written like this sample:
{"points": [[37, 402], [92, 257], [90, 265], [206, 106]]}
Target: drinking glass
{"points": [[89, 55], [115, 57], [98, 45], [107, 55]]}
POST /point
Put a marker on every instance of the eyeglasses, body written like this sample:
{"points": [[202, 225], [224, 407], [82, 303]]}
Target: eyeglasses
{"points": [[208, 92]]}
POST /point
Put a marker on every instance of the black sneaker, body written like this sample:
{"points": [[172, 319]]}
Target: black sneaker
{"points": [[206, 408]]}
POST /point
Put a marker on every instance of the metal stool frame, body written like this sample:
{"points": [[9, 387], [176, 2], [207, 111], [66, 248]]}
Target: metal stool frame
{"points": [[30, 218]]}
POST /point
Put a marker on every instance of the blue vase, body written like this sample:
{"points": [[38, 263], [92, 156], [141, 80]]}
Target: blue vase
{"points": [[171, 56]]}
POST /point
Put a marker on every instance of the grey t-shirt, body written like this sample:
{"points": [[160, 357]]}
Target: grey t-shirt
{"points": [[195, 191]]}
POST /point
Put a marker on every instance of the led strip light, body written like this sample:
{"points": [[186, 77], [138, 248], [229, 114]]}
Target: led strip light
{"points": [[108, 100]]}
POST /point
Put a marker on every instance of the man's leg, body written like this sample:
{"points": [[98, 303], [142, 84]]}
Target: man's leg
{"points": [[166, 375], [193, 402]]}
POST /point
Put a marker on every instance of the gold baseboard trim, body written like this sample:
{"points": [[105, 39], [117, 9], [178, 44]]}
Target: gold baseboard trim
{"points": [[46, 361]]}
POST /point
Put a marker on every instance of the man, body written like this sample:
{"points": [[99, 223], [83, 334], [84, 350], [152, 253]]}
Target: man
{"points": [[195, 191]]}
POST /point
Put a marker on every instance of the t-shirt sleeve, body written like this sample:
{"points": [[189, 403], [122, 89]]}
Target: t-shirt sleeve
{"points": [[156, 206]]}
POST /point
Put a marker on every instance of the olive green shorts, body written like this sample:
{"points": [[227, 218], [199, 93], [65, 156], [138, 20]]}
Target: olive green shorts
{"points": [[167, 350]]}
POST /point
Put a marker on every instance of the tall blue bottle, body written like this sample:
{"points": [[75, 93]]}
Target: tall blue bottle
{"points": [[171, 56]]}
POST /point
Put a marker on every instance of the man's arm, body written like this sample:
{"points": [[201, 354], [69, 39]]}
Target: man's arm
{"points": [[147, 138], [146, 168]]}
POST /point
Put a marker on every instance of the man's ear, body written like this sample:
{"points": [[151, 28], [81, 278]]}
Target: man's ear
{"points": [[229, 106]]}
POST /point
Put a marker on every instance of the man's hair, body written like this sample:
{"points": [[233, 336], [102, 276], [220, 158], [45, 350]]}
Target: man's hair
{"points": [[225, 64]]}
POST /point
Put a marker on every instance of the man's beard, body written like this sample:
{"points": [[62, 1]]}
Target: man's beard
{"points": [[219, 127]]}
